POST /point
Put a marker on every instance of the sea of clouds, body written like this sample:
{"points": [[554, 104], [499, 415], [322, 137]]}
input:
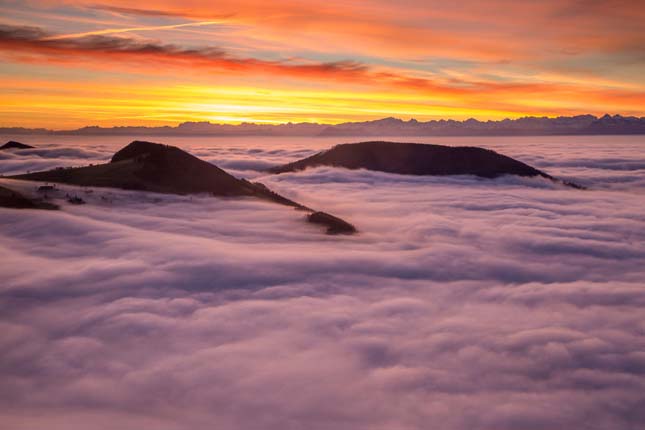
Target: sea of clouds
{"points": [[507, 304]]}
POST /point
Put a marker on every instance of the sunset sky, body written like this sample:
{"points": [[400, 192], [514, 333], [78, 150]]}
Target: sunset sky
{"points": [[70, 63]]}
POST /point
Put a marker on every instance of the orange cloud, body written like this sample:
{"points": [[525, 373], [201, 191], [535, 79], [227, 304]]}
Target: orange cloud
{"points": [[493, 30], [19, 42], [420, 58]]}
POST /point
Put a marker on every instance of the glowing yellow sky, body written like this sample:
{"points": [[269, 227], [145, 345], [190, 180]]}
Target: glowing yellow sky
{"points": [[76, 63]]}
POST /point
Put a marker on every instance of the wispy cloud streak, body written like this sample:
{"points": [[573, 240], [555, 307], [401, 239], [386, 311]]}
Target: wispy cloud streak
{"points": [[129, 30]]}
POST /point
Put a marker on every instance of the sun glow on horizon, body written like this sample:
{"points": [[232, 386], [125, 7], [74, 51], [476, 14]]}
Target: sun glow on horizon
{"points": [[168, 63]]}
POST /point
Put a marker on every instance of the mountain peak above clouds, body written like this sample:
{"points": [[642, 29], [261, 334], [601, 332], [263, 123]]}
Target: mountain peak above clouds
{"points": [[155, 167], [12, 144], [417, 159]]}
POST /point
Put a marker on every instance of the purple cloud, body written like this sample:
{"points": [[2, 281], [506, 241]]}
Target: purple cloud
{"points": [[499, 304]]}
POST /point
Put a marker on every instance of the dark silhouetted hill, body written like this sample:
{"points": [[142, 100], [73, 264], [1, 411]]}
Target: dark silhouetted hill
{"points": [[416, 159], [160, 168], [12, 144], [154, 167]]}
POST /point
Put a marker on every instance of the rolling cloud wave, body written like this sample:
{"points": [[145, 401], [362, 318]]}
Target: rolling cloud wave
{"points": [[494, 304]]}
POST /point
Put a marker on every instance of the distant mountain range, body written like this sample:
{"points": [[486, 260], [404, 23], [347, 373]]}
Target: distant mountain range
{"points": [[528, 126]]}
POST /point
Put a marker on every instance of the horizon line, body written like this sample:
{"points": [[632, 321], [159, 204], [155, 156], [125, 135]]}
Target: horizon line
{"points": [[329, 124]]}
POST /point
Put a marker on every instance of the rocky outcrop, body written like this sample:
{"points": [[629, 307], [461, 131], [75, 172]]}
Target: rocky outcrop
{"points": [[334, 224]]}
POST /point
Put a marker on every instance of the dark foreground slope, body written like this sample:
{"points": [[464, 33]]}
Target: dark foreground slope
{"points": [[161, 168], [12, 144], [13, 199], [416, 159], [154, 167]]}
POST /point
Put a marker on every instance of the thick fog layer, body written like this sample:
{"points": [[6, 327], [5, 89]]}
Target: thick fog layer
{"points": [[463, 303]]}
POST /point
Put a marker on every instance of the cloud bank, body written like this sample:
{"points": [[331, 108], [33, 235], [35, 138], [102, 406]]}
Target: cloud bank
{"points": [[61, 48], [464, 303]]}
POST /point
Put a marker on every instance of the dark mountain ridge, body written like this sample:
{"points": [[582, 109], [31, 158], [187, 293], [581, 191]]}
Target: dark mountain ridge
{"points": [[417, 159], [12, 144], [161, 168]]}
